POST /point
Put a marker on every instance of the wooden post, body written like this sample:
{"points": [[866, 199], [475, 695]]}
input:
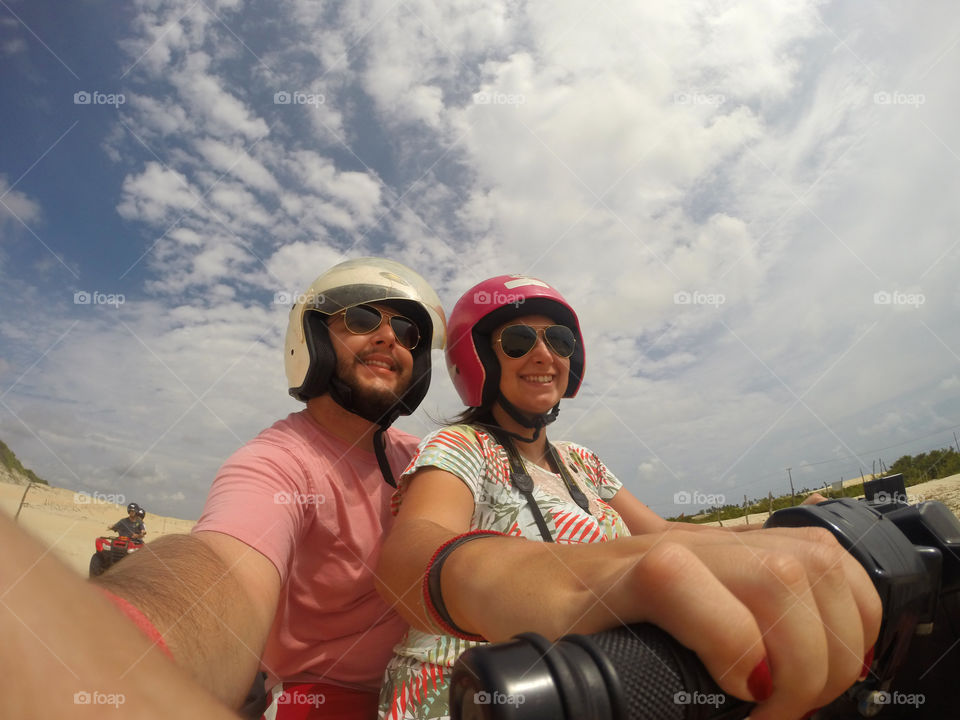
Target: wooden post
{"points": [[746, 510], [22, 498]]}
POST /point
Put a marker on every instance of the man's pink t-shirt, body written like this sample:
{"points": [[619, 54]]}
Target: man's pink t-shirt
{"points": [[318, 508]]}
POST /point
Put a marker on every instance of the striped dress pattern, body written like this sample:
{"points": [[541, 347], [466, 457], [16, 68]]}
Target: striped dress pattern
{"points": [[416, 683]]}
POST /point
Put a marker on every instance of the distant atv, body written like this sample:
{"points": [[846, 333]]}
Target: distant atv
{"points": [[111, 550]]}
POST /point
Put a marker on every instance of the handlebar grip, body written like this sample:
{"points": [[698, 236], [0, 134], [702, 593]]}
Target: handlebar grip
{"points": [[660, 678], [633, 672]]}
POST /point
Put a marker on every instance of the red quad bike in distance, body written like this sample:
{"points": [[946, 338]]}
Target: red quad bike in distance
{"points": [[111, 550]]}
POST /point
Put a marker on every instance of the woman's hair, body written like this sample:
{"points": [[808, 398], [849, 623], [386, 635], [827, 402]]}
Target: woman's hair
{"points": [[472, 416]]}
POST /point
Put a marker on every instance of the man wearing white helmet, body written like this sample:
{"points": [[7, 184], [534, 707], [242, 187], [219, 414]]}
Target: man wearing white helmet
{"points": [[278, 573]]}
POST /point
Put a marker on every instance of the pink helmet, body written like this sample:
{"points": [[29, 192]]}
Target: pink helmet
{"points": [[471, 360]]}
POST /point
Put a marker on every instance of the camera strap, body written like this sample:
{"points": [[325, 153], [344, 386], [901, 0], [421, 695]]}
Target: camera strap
{"points": [[522, 481], [575, 492]]}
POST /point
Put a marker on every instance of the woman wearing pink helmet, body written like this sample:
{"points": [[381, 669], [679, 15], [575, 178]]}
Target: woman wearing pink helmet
{"points": [[596, 556]]}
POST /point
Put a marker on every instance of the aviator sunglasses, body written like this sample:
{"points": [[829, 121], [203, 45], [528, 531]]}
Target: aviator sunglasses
{"points": [[517, 340], [363, 319]]}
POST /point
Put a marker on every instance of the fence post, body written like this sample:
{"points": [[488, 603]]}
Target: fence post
{"points": [[22, 498]]}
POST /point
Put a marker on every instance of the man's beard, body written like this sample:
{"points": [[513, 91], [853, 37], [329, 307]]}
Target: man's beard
{"points": [[369, 400]]}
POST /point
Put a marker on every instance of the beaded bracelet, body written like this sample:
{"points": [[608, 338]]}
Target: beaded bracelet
{"points": [[432, 595], [139, 619]]}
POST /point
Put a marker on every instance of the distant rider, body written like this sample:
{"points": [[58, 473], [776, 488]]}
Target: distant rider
{"points": [[130, 526]]}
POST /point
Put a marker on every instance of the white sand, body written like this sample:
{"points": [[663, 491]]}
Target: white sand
{"points": [[68, 522]]}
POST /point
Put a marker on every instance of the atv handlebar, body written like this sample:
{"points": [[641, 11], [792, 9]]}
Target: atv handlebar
{"points": [[638, 672]]}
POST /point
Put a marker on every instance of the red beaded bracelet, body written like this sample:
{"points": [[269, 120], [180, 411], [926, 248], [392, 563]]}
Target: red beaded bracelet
{"points": [[139, 619], [432, 595]]}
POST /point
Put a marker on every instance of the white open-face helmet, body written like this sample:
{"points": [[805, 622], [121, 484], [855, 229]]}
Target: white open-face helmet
{"points": [[308, 355]]}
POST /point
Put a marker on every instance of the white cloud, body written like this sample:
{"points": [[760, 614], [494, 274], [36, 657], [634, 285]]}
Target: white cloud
{"points": [[358, 192], [157, 195], [16, 206], [298, 264], [625, 152], [234, 160], [13, 46], [203, 94]]}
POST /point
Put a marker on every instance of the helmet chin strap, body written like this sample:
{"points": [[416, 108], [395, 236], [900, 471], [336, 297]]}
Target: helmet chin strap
{"points": [[342, 394], [535, 422]]}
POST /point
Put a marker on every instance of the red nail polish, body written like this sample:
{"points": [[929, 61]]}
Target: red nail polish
{"points": [[760, 683], [867, 662]]}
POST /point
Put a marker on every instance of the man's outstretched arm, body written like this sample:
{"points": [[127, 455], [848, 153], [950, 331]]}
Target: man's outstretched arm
{"points": [[69, 653], [211, 597]]}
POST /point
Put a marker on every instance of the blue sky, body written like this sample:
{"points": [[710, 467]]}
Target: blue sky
{"points": [[751, 205]]}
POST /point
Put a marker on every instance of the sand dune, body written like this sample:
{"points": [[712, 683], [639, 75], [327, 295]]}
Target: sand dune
{"points": [[68, 522]]}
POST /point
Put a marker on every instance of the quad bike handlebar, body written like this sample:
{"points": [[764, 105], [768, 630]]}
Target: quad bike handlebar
{"points": [[638, 672]]}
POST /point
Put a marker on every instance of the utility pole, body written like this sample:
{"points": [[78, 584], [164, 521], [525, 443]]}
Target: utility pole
{"points": [[956, 441], [792, 493]]}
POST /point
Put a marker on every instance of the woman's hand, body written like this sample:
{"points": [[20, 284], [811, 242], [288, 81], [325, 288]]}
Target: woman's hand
{"points": [[789, 597], [792, 598]]}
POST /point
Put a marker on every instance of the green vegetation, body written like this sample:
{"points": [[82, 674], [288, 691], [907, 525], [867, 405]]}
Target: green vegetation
{"points": [[916, 469], [9, 460], [927, 466]]}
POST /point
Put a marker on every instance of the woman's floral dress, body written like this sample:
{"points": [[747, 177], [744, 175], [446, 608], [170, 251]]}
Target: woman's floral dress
{"points": [[417, 678]]}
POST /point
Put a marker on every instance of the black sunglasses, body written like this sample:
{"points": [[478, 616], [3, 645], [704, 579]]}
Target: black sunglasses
{"points": [[363, 319], [517, 340]]}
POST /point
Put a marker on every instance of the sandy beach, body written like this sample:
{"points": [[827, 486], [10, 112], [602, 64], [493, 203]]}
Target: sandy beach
{"points": [[68, 522], [945, 490]]}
